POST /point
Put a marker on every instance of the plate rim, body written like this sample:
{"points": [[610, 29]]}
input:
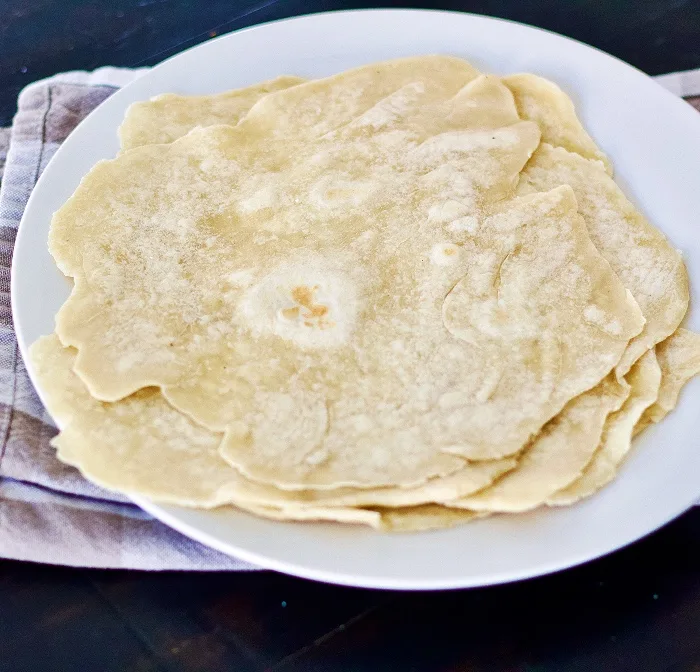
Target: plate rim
{"points": [[378, 582]]}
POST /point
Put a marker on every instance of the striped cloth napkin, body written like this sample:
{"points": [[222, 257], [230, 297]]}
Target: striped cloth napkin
{"points": [[48, 512]]}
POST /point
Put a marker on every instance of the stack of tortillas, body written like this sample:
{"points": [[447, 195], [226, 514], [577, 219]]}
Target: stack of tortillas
{"points": [[406, 295]]}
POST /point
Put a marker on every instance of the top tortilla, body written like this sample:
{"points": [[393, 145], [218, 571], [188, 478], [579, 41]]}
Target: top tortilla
{"points": [[265, 285], [168, 117]]}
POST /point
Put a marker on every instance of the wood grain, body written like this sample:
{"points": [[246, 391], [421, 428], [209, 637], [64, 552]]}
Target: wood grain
{"points": [[637, 610], [41, 37]]}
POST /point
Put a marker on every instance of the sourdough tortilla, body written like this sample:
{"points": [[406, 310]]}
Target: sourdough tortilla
{"points": [[472, 477], [483, 307], [538, 100], [679, 359], [319, 514], [408, 519], [557, 456], [648, 266], [377, 94], [302, 414], [641, 256], [543, 102], [141, 445], [424, 518], [168, 117], [352, 307], [644, 379], [271, 327]]}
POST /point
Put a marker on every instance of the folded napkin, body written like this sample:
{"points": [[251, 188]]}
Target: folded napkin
{"points": [[48, 512]]}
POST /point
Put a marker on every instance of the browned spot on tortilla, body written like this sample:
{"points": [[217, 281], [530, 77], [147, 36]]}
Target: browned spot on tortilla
{"points": [[304, 296], [291, 313]]}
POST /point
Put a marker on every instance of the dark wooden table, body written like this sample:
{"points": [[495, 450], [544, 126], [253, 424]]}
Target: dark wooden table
{"points": [[637, 610]]}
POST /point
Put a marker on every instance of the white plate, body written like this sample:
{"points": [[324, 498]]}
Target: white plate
{"points": [[654, 141]]}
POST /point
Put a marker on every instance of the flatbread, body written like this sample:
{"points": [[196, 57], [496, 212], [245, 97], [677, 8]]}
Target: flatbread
{"points": [[321, 514], [424, 518], [168, 117], [546, 220], [347, 304], [648, 266], [644, 379], [558, 454], [151, 296], [472, 477], [141, 445], [378, 94], [167, 458], [543, 102], [679, 359], [408, 519], [471, 314], [641, 256]]}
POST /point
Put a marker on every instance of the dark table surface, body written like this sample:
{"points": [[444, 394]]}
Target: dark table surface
{"points": [[637, 610]]}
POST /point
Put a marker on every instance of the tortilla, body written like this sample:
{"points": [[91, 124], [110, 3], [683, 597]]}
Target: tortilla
{"points": [[378, 95], [366, 299], [679, 359], [472, 477], [296, 293], [644, 260], [644, 379], [408, 519], [167, 117], [141, 445], [424, 518], [557, 456], [525, 369], [641, 256], [320, 514], [543, 102]]}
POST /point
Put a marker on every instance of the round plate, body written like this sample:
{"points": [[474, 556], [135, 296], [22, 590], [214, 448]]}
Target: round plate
{"points": [[653, 139]]}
